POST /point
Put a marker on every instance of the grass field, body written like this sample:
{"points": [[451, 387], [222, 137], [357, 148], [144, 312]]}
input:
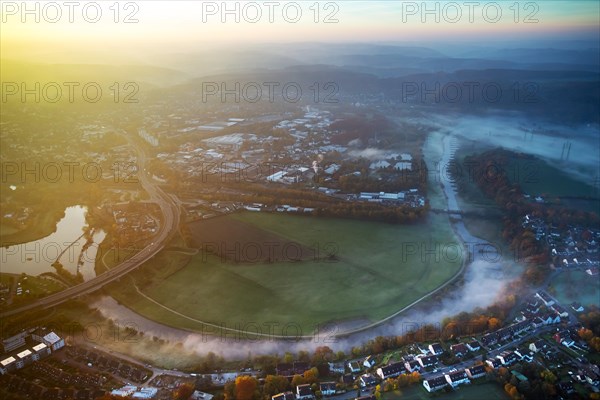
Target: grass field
{"points": [[240, 241], [538, 177], [576, 285], [32, 287], [478, 391], [41, 225], [377, 270]]}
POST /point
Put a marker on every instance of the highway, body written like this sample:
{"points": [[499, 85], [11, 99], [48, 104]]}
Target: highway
{"points": [[170, 222]]}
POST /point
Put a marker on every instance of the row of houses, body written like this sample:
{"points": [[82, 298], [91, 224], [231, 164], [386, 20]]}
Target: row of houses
{"points": [[505, 358], [413, 365], [133, 392], [291, 369], [544, 310], [304, 392], [506, 333], [454, 378], [573, 247], [229, 207], [27, 347], [429, 356]]}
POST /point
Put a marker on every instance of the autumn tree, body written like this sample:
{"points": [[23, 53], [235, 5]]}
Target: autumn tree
{"points": [[245, 387], [450, 330], [378, 393], [415, 377], [595, 343], [512, 391], [311, 376], [322, 355], [275, 384], [288, 358], [229, 390], [183, 392], [585, 334], [493, 324], [298, 380], [548, 376], [303, 356]]}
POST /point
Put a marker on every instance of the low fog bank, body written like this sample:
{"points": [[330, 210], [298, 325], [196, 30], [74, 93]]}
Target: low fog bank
{"points": [[522, 134]]}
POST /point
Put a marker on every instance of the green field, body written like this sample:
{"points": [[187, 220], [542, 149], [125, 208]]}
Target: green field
{"points": [[372, 275], [576, 285], [40, 226], [33, 287], [478, 391], [538, 177]]}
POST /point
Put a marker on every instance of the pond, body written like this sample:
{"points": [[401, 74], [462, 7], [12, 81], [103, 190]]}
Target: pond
{"points": [[66, 244]]}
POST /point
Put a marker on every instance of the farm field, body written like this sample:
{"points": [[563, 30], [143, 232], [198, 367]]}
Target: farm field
{"points": [[332, 270]]}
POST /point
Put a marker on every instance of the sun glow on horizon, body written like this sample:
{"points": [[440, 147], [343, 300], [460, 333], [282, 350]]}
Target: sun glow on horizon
{"points": [[43, 28]]}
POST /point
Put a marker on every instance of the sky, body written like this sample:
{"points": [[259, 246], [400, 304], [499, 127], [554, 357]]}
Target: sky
{"points": [[42, 27]]}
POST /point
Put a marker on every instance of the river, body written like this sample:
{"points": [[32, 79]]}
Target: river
{"points": [[483, 283]]}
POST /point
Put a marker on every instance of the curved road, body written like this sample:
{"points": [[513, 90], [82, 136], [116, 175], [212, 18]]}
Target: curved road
{"points": [[170, 212]]}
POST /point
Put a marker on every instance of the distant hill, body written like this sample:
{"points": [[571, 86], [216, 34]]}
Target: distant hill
{"points": [[565, 95], [143, 75], [540, 56]]}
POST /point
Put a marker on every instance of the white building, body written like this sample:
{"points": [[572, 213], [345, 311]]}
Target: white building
{"points": [[391, 370], [277, 176], [40, 351], [457, 378], [435, 384], [7, 365], [369, 362], [54, 341], [145, 393], [336, 367], [24, 358], [198, 395], [436, 349], [367, 380], [125, 391], [403, 166], [545, 298], [353, 366], [327, 388], [379, 165]]}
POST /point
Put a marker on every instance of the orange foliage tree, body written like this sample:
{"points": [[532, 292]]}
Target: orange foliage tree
{"points": [[245, 387]]}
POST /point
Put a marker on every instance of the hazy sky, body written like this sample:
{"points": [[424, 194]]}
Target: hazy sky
{"points": [[89, 26]]}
